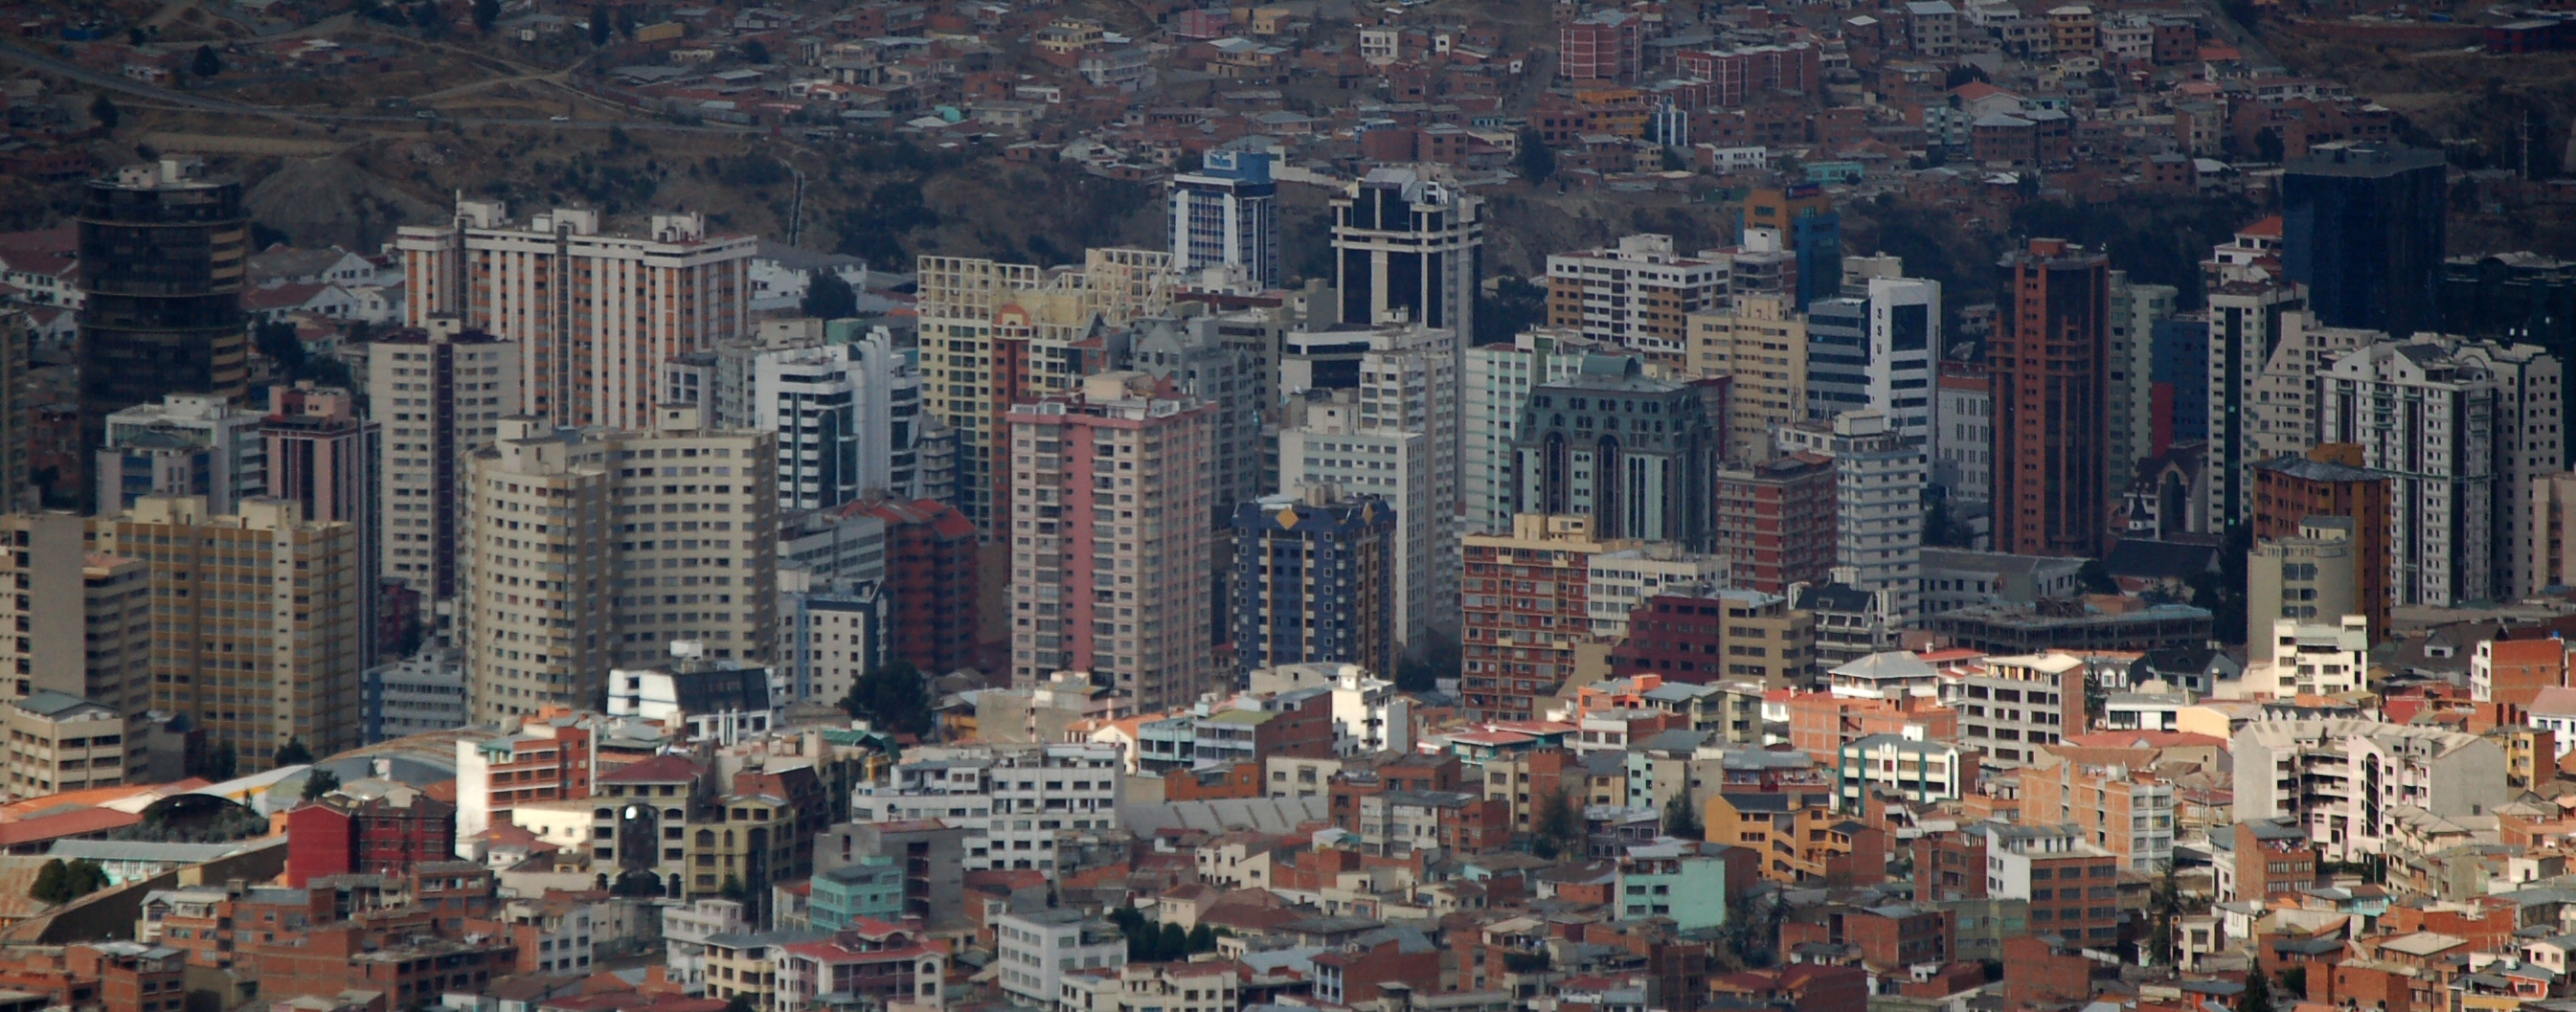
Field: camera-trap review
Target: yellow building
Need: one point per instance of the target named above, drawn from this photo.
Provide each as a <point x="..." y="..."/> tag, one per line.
<point x="1762" y="342"/>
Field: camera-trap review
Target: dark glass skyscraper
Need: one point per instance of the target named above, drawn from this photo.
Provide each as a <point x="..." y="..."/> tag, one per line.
<point x="162" y="252"/>
<point x="2361" y="226"/>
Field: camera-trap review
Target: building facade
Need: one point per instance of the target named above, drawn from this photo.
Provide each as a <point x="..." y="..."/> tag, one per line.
<point x="1312" y="580"/>
<point x="1411" y="246"/>
<point x="2051" y="394"/>
<point x="1227" y="215"/>
<point x="163" y="255"/>
<point x="438" y="392"/>
<point x="1631" y="452"/>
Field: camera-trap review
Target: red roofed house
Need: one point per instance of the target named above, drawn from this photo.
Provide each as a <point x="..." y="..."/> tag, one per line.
<point x="871" y="959"/>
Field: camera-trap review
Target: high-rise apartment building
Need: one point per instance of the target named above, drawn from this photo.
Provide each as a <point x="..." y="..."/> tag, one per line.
<point x="2050" y="366"/>
<point x="2362" y="226"/>
<point x="1620" y="582"/>
<point x="60" y="743"/>
<point x="2465" y="431"/>
<point x="932" y="577"/>
<point x="1524" y="596"/>
<point x="994" y="335"/>
<point x="593" y="315"/>
<point x="439" y="393"/>
<point x="2248" y="293"/>
<point x="1775" y="521"/>
<point x="1876" y="351"/>
<point x="1879" y="477"/>
<point x="1411" y="245"/>
<point x="1762" y="342"/>
<point x="1630" y="452"/>
<point x="1224" y="372"/>
<point x="1110" y="542"/>
<point x="847" y="418"/>
<point x="322" y="457"/>
<point x="1499" y="378"/>
<point x="163" y="251"/>
<point x="584" y="550"/>
<point x="1226" y="215"/>
<point x="1392" y="433"/>
<point x="16" y="428"/>
<point x="2291" y="493"/>
<point x="267" y="646"/>
<point x="1963" y="444"/>
<point x="84" y="617"/>
<point x="2136" y="309"/>
<point x="185" y="445"/>
<point x="1638" y="295"/>
<point x="1313" y="581"/>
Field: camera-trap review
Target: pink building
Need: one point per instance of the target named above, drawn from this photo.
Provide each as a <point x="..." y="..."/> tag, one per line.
<point x="1113" y="538"/>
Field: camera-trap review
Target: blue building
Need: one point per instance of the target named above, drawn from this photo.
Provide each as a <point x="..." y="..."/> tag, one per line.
<point x="1809" y="228"/>
<point x="2362" y="227"/>
<point x="873" y="889"/>
<point x="2178" y="376"/>
<point x="1314" y="580"/>
<point x="1227" y="215"/>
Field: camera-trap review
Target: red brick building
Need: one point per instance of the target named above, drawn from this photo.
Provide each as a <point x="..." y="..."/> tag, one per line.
<point x="2330" y="482"/>
<point x="2052" y="387"/>
<point x="2044" y="970"/>
<point x="383" y="835"/>
<point x="931" y="575"/>
<point x="1775" y="522"/>
<point x="1883" y="940"/>
<point x="1801" y="987"/>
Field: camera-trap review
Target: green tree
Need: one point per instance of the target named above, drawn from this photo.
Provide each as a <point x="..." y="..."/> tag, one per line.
<point x="429" y="19"/>
<point x="293" y="753"/>
<point x="279" y="343"/>
<point x="321" y="782"/>
<point x="2294" y="983"/>
<point x="734" y="890"/>
<point x="740" y="1003"/>
<point x="1681" y="819"/>
<point x="206" y="63"/>
<point x="104" y="112"/>
<point x="2096" y="578"/>
<point x="599" y="25"/>
<point x="2258" y="992"/>
<point x="2267" y="145"/>
<point x="829" y="297"/>
<point x="1536" y="161"/>
<point x="892" y="696"/>
<point x="1202" y="939"/>
<point x="218" y="764"/>
<point x="52" y="882"/>
<point x="2166" y="902"/>
<point x="487" y="15"/>
<point x="1172" y="943"/>
<point x="1558" y="825"/>
<point x="755" y="51"/>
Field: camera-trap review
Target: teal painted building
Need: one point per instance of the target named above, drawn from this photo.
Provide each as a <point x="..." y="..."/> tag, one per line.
<point x="871" y="889"/>
<point x="1679" y="879"/>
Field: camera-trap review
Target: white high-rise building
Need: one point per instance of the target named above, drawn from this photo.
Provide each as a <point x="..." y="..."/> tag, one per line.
<point x="1879" y="478"/>
<point x="1227" y="215"/>
<point x="1904" y="344"/>
<point x="439" y="393"/>
<point x="1638" y="295"/>
<point x="1619" y="582"/>
<point x="585" y="550"/>
<point x="1394" y="436"/>
<point x="2465" y="431"/>
<point x="1499" y="378"/>
<point x="2249" y="293"/>
<point x="593" y="315"/>
<point x="847" y="417"/>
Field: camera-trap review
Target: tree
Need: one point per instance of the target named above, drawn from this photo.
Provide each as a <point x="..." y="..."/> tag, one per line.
<point x="828" y="297"/>
<point x="219" y="764"/>
<point x="755" y="51"/>
<point x="52" y="885"/>
<point x="293" y="753"/>
<point x="599" y="24"/>
<point x="206" y="63"/>
<point x="487" y="15"/>
<point x="135" y="37"/>
<point x="1173" y="943"/>
<point x="733" y="890"/>
<point x="427" y="17"/>
<point x="740" y="1003"/>
<point x="2267" y="145"/>
<point x="104" y="112"/>
<point x="893" y="697"/>
<point x="1536" y="162"/>
<point x="2096" y="578"/>
<point x="1202" y="939"/>
<point x="1558" y="825"/>
<point x="2166" y="901"/>
<point x="1681" y="819"/>
<point x="2258" y="992"/>
<point x="85" y="876"/>
<point x="321" y="782"/>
